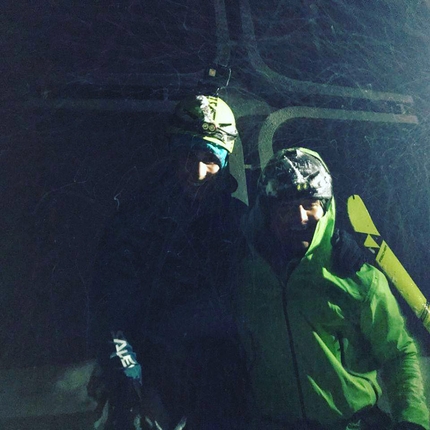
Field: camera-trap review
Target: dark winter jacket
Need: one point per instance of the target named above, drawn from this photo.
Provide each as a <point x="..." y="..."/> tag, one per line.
<point x="165" y="262"/>
<point x="162" y="277"/>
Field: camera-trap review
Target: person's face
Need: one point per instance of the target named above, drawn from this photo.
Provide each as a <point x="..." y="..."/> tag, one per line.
<point x="196" y="171"/>
<point x="293" y="223"/>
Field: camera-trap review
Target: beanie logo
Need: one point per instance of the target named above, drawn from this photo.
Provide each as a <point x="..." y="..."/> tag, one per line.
<point x="210" y="127"/>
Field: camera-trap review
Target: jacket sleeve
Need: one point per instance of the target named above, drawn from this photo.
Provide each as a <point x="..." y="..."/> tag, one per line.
<point x="116" y="285"/>
<point x="396" y="353"/>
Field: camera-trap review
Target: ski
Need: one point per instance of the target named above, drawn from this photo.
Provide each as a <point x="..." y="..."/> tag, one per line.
<point x="362" y="222"/>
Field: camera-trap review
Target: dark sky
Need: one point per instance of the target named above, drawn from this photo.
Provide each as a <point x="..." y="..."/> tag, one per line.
<point x="87" y="92"/>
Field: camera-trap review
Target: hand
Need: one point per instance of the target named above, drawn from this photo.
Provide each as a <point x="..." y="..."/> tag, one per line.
<point x="348" y="257"/>
<point x="404" y="425"/>
<point x="127" y="356"/>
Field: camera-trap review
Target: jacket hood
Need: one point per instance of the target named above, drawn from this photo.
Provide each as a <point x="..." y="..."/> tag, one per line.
<point x="256" y="231"/>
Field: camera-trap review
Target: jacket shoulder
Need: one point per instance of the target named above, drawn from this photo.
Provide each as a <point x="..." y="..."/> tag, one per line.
<point x="362" y="284"/>
<point x="370" y="280"/>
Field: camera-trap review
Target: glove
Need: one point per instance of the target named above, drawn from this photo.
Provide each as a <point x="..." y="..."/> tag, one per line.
<point x="404" y="425"/>
<point x="127" y="356"/>
<point x="348" y="257"/>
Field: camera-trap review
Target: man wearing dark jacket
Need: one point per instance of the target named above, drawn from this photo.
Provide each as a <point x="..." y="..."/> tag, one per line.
<point x="317" y="338"/>
<point x="167" y="345"/>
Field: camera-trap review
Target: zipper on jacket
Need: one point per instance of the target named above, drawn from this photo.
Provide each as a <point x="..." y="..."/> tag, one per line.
<point x="293" y="351"/>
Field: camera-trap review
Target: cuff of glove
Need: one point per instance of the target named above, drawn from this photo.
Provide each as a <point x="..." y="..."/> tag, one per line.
<point x="134" y="372"/>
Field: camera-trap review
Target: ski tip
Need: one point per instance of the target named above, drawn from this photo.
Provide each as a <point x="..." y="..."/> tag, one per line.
<point x="359" y="216"/>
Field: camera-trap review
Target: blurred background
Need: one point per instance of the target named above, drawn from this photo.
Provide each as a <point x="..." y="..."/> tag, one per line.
<point x="87" y="91"/>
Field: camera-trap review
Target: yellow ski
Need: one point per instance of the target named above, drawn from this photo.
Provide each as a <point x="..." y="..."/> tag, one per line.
<point x="362" y="223"/>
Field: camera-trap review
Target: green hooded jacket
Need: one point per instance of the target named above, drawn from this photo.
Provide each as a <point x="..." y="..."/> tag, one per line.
<point x="316" y="342"/>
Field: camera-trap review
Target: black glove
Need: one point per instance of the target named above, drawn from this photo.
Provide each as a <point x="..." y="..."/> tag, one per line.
<point x="404" y="425"/>
<point x="125" y="384"/>
<point x="348" y="257"/>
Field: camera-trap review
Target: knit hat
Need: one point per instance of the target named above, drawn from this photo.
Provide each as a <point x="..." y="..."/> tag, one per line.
<point x="295" y="173"/>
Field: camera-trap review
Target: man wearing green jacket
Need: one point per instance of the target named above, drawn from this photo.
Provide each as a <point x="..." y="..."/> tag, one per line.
<point x="317" y="340"/>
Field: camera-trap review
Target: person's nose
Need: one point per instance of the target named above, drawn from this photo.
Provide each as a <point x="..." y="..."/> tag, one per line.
<point x="202" y="171"/>
<point x="303" y="215"/>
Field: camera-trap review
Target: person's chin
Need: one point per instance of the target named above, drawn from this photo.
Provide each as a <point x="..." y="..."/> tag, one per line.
<point x="196" y="189"/>
<point x="299" y="241"/>
<point x="304" y="236"/>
